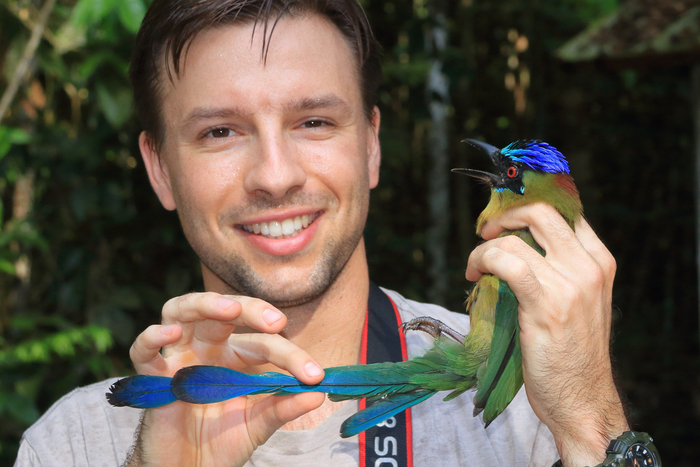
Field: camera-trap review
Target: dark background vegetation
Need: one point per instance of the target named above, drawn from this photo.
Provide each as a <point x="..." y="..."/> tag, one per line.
<point x="88" y="256"/>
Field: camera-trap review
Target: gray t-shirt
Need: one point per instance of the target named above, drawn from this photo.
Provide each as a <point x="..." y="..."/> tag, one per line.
<point x="82" y="429"/>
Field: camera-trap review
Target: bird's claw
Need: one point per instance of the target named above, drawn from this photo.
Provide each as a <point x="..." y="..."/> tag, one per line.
<point x="433" y="327"/>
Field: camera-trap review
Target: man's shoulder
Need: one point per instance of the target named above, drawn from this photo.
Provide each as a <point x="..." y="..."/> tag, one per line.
<point x="82" y="425"/>
<point x="409" y="309"/>
<point x="83" y="400"/>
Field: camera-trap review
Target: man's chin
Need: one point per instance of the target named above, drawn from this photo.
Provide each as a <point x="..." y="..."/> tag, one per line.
<point x="276" y="287"/>
<point x="290" y="301"/>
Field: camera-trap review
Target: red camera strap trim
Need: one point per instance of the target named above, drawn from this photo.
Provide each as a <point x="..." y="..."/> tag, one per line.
<point x="390" y="442"/>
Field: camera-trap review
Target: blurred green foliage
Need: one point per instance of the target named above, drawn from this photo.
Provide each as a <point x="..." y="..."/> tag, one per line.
<point x="88" y="256"/>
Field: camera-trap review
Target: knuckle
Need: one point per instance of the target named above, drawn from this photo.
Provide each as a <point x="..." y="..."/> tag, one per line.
<point x="596" y="277"/>
<point x="521" y="271"/>
<point x="541" y="211"/>
<point x="557" y="318"/>
<point x="609" y="265"/>
<point x="512" y="243"/>
<point x="180" y="301"/>
<point x="493" y="254"/>
<point x="134" y="350"/>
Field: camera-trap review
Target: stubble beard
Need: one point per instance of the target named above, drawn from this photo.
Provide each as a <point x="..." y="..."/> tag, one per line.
<point x="242" y="279"/>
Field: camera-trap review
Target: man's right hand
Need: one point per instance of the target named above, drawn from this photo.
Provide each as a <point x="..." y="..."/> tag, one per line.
<point x="197" y="329"/>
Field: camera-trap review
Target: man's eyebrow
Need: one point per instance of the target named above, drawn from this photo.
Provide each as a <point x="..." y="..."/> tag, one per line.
<point x="329" y="101"/>
<point x="206" y="113"/>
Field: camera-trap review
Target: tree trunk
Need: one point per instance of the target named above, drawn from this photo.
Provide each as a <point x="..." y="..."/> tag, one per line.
<point x="437" y="90"/>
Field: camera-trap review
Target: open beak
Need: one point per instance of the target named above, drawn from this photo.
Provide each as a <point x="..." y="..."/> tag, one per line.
<point x="486" y="177"/>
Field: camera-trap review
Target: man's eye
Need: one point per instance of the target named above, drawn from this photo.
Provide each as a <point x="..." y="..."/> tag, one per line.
<point x="315" y="124"/>
<point x="220" y="133"/>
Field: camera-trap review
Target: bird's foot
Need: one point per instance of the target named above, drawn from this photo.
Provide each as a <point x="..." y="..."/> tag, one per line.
<point x="433" y="327"/>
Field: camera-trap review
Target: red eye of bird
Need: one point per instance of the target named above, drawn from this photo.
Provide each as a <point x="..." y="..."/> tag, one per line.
<point x="512" y="172"/>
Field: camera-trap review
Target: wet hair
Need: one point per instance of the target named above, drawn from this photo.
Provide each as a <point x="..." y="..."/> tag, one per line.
<point x="169" y="28"/>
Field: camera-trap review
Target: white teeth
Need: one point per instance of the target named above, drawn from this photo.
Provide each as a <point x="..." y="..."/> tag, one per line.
<point x="275" y="229"/>
<point x="286" y="229"/>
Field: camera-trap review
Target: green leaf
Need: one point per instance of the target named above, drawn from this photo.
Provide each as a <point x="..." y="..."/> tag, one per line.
<point x="10" y="136"/>
<point x="115" y="102"/>
<point x="71" y="36"/>
<point x="7" y="267"/>
<point x="90" y="12"/>
<point x="63" y="344"/>
<point x="101" y="337"/>
<point x="131" y="13"/>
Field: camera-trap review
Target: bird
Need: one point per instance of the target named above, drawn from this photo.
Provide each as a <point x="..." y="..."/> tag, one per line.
<point x="488" y="358"/>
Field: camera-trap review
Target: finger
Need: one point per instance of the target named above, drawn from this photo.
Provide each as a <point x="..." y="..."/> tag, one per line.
<point x="259" y="315"/>
<point x="259" y="349"/>
<point x="145" y="351"/>
<point x="511" y="268"/>
<point x="200" y="306"/>
<point x="236" y="309"/>
<point x="549" y="229"/>
<point x="516" y="218"/>
<point x="476" y="265"/>
<point x="255" y="314"/>
<point x="267" y="415"/>
<point x="595" y="247"/>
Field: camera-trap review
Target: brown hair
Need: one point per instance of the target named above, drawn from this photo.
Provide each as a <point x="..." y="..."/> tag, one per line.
<point x="169" y="27"/>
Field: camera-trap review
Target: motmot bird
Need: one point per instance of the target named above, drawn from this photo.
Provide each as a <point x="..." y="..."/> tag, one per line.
<point x="488" y="358"/>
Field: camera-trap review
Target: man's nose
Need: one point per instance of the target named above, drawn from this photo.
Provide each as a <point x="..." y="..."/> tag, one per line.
<point x="275" y="166"/>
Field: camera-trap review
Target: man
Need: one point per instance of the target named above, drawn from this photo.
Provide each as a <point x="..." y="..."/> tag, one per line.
<point x="261" y="131"/>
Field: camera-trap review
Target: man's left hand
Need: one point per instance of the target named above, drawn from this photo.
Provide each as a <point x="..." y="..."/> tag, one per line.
<point x="565" y="317"/>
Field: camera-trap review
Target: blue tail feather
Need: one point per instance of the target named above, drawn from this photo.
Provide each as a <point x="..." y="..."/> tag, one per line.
<point x="356" y="381"/>
<point x="381" y="410"/>
<point x="202" y="384"/>
<point x="141" y="391"/>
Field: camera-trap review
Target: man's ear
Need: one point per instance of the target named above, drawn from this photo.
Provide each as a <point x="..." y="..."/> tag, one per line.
<point x="157" y="172"/>
<point x="373" y="148"/>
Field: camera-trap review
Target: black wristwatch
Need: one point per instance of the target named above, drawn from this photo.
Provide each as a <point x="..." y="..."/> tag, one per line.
<point x="632" y="449"/>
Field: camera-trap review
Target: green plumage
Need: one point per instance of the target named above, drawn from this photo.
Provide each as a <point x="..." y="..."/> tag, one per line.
<point x="490" y="357"/>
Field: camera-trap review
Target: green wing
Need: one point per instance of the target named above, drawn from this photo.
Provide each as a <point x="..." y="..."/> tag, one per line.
<point x="503" y="375"/>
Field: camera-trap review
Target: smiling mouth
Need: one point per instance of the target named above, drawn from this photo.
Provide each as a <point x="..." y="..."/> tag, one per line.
<point x="287" y="228"/>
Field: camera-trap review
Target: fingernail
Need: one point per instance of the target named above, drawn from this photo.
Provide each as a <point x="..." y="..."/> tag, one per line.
<point x="224" y="303"/>
<point x="271" y="316"/>
<point x="168" y="329"/>
<point x="312" y="369"/>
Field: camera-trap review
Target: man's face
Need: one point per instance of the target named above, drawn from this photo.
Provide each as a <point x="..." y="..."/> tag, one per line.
<point x="264" y="147"/>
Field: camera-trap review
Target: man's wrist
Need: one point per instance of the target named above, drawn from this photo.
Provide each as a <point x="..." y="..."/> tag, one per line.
<point x="586" y="446"/>
<point x="585" y="435"/>
<point x="630" y="448"/>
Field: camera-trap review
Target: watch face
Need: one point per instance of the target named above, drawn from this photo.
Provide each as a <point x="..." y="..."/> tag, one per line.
<point x="639" y="456"/>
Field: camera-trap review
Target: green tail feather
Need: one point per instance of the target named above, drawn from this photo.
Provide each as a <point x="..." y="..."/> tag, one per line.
<point x="436" y="370"/>
<point x="508" y="386"/>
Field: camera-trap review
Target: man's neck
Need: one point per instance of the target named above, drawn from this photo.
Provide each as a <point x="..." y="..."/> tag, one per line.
<point x="329" y="327"/>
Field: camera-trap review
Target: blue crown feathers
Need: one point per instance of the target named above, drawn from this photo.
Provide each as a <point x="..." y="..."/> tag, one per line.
<point x="537" y="155"/>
